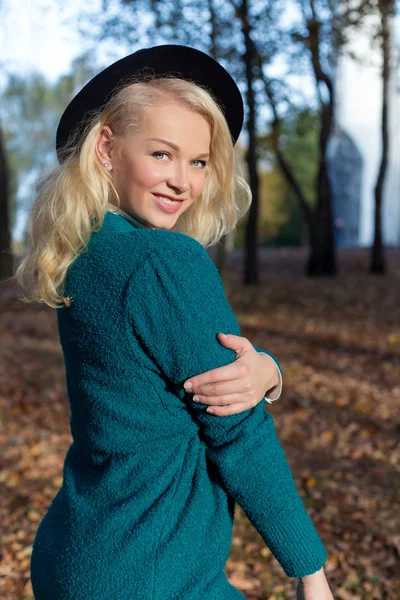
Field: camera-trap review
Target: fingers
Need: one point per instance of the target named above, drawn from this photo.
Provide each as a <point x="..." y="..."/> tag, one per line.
<point x="234" y="389"/>
<point x="225" y="373"/>
<point x="232" y="409"/>
<point x="221" y="400"/>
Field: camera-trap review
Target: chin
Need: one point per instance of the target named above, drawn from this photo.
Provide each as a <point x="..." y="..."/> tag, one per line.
<point x="166" y="223"/>
<point x="169" y="226"/>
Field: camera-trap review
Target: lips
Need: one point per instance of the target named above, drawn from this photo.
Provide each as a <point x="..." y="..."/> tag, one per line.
<point x="169" y="197"/>
<point x="164" y="206"/>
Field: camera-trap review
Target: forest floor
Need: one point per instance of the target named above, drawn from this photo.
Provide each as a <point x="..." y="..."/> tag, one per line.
<point x="338" y="419"/>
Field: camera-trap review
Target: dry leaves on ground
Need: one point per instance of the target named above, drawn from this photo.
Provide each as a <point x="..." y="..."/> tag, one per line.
<point x="338" y="341"/>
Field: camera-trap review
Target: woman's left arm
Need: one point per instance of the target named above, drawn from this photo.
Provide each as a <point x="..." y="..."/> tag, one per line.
<point x="241" y="385"/>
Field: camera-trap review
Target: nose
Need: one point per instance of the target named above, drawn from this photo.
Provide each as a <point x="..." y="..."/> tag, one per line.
<point x="179" y="179"/>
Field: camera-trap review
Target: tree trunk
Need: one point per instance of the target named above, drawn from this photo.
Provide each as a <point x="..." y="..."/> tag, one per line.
<point x="315" y="260"/>
<point x="314" y="263"/>
<point x="251" y="256"/>
<point x="220" y="259"/>
<point x="6" y="258"/>
<point x="323" y="263"/>
<point x="377" y="253"/>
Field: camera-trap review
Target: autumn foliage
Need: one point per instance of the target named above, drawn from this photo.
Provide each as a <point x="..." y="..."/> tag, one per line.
<point x="338" y="341"/>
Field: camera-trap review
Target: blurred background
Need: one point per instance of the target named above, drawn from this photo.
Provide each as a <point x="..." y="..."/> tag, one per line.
<point x="312" y="272"/>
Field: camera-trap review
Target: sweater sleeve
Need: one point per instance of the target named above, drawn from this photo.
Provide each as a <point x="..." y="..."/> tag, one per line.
<point x="176" y="305"/>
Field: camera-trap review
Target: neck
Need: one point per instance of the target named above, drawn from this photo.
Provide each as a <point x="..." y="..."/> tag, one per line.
<point x="129" y="217"/>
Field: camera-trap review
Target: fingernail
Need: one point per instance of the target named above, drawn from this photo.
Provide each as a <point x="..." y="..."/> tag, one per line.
<point x="210" y="410"/>
<point x="196" y="399"/>
<point x="187" y="386"/>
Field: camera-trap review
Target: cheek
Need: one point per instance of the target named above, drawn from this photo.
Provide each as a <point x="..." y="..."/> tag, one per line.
<point x="137" y="170"/>
<point x="198" y="184"/>
<point x="146" y="174"/>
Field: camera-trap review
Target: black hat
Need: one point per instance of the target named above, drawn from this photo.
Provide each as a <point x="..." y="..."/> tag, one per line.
<point x="168" y="60"/>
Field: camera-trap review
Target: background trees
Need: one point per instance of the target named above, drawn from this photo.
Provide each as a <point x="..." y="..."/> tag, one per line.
<point x="384" y="35"/>
<point x="284" y="57"/>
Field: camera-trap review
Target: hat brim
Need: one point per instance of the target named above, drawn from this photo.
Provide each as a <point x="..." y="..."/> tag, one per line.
<point x="169" y="60"/>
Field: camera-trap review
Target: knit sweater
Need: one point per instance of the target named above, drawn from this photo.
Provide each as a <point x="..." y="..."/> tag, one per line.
<point x="273" y="394"/>
<point x="150" y="481"/>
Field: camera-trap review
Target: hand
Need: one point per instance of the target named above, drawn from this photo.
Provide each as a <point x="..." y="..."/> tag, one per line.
<point x="314" y="587"/>
<point x="238" y="386"/>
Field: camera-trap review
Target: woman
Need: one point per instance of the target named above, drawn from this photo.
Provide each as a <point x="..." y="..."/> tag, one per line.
<point x="118" y="236"/>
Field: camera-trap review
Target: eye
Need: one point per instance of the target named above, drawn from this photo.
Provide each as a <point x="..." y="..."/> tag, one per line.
<point x="160" y="152"/>
<point x="203" y="163"/>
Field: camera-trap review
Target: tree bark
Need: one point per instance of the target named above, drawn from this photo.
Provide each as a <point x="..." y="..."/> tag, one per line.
<point x="6" y="258"/>
<point x="377" y="254"/>
<point x="324" y="263"/>
<point x="220" y="259"/>
<point x="251" y="256"/>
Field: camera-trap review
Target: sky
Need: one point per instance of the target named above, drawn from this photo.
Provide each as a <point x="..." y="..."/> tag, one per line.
<point x="35" y="35"/>
<point x="38" y="35"/>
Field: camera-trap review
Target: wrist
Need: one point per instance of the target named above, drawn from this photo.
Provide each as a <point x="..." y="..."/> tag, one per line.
<point x="318" y="576"/>
<point x="274" y="381"/>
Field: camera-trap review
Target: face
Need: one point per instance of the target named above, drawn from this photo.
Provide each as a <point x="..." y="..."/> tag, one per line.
<point x="160" y="171"/>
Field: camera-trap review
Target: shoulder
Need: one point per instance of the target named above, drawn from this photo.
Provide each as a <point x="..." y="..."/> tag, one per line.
<point x="172" y="249"/>
<point x="175" y="260"/>
<point x="119" y="237"/>
<point x="162" y="240"/>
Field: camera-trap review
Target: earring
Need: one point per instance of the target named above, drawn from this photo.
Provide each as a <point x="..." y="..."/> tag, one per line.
<point x="105" y="164"/>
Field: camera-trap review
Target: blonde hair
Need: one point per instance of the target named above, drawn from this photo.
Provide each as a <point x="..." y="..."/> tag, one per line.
<point x="73" y="199"/>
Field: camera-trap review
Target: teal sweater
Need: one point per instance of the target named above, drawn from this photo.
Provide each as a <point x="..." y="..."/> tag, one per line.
<point x="150" y="482"/>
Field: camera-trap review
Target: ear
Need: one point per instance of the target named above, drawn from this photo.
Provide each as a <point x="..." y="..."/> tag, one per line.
<point x="104" y="144"/>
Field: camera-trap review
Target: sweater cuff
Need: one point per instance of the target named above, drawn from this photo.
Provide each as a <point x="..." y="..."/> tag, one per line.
<point x="296" y="545"/>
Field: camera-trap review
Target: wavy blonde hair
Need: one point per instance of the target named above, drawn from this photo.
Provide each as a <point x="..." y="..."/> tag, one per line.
<point x="73" y="199"/>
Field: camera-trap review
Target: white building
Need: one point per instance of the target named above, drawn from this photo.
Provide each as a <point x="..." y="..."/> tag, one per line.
<point x="356" y="145"/>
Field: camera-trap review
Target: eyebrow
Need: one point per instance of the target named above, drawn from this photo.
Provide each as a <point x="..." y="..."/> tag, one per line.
<point x="174" y="146"/>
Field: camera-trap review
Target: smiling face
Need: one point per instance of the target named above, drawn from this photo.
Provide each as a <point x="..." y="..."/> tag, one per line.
<point x="167" y="157"/>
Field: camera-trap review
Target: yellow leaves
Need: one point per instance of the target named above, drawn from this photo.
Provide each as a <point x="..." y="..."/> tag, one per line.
<point x="342" y="400"/>
<point x="4" y="474"/>
<point x="243" y="583"/>
<point x="10" y="478"/>
<point x="326" y="438"/>
<point x="301" y="414"/>
<point x="58" y="481"/>
<point x="384" y="412"/>
<point x="279" y="589"/>
<point x="33" y="516"/>
<point x="393" y="338"/>
<point x="28" y="591"/>
<point x="14" y="480"/>
<point x="25" y="552"/>
<point x="252" y="547"/>
<point x="343" y="594"/>
<point x="35" y="449"/>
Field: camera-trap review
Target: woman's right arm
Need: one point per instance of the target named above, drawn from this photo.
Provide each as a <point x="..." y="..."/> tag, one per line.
<point x="177" y="306"/>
